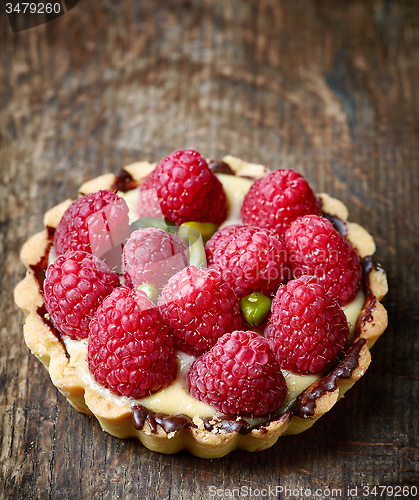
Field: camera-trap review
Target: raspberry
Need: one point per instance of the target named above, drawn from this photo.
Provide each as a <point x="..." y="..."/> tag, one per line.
<point x="130" y="350"/>
<point x="199" y="307"/>
<point x="95" y="223"/>
<point x="278" y="199"/>
<point x="152" y="255"/>
<point x="315" y="248"/>
<point x="239" y="375"/>
<point x="248" y="258"/>
<point x="74" y="287"/>
<point x="220" y="239"/>
<point x="307" y="328"/>
<point x="187" y="190"/>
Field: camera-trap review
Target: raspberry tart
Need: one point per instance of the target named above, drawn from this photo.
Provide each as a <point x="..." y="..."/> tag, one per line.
<point x="202" y="305"/>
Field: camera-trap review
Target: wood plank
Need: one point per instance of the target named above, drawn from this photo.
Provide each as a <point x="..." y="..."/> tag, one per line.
<point x="328" y="88"/>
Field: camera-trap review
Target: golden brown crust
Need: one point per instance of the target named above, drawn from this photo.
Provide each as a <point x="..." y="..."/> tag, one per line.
<point x="319" y="399"/>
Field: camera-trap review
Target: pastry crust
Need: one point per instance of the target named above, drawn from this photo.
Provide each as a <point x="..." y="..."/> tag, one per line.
<point x="201" y="439"/>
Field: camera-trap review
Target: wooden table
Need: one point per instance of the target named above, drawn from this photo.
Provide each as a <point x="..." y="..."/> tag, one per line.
<point x="328" y="88"/>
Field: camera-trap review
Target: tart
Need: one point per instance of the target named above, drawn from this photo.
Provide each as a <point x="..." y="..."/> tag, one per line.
<point x="170" y="419"/>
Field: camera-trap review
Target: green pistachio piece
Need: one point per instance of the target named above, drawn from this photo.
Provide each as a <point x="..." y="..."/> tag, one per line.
<point x="255" y="308"/>
<point x="150" y="290"/>
<point x="207" y="229"/>
<point x="193" y="238"/>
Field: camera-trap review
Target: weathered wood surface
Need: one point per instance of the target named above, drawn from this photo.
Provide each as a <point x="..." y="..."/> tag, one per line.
<point x="329" y="88"/>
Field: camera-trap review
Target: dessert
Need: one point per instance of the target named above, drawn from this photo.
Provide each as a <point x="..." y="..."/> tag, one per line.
<point x="184" y="356"/>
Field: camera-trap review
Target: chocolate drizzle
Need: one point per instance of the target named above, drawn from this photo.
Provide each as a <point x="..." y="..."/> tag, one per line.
<point x="169" y="423"/>
<point x="220" y="167"/>
<point x="368" y="264"/>
<point x="367" y="312"/>
<point x="40" y="267"/>
<point x="337" y="223"/>
<point x="227" y="424"/>
<point x="123" y="182"/>
<point x="305" y="404"/>
<point x="174" y="423"/>
<point x="38" y="271"/>
<point x="43" y="313"/>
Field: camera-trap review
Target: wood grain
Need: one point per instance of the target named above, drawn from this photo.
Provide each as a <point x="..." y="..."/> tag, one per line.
<point x="328" y="88"/>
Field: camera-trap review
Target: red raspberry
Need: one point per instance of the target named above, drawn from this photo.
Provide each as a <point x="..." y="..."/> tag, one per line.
<point x="239" y="375"/>
<point x="199" y="307"/>
<point x="95" y="223"/>
<point x="307" y="328"/>
<point x="187" y="190"/>
<point x="130" y="350"/>
<point x="278" y="199"/>
<point x="74" y="287"/>
<point x="315" y="248"/>
<point x="220" y="239"/>
<point x="248" y="258"/>
<point x="152" y="256"/>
